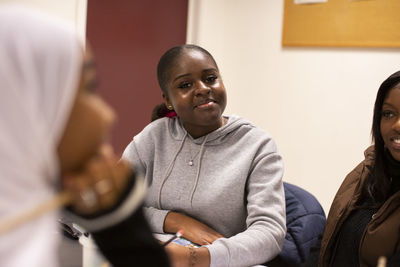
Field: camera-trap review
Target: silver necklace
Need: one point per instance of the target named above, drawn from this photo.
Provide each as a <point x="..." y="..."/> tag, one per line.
<point x="190" y="162"/>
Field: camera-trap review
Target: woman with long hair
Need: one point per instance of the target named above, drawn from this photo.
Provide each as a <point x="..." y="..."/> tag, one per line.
<point x="364" y="219"/>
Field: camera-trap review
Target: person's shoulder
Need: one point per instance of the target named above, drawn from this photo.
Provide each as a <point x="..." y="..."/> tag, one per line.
<point x="253" y="135"/>
<point x="149" y="133"/>
<point x="251" y="129"/>
<point x="161" y="130"/>
<point x="363" y="168"/>
<point x="155" y="127"/>
<point x="359" y="173"/>
<point x="369" y="154"/>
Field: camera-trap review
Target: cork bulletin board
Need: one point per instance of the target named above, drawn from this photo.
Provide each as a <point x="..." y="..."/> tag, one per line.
<point x="342" y="23"/>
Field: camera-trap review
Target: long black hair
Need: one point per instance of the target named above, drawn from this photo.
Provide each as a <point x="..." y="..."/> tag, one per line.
<point x="169" y="58"/>
<point x="377" y="184"/>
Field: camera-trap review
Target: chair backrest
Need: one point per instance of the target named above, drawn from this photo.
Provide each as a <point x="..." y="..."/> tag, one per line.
<point x="305" y="222"/>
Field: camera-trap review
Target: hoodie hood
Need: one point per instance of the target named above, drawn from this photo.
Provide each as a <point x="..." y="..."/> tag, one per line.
<point x="216" y="137"/>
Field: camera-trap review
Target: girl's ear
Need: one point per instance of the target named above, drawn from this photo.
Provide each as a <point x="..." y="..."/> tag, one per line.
<point x="167" y="102"/>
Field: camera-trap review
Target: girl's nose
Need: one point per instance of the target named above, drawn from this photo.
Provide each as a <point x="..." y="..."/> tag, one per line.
<point x="396" y="125"/>
<point x="202" y="89"/>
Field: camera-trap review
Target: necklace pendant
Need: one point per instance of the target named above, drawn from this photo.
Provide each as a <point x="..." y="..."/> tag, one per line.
<point x="191" y="162"/>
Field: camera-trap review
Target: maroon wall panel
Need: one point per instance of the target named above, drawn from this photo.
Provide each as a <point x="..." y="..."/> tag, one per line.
<point x="128" y="37"/>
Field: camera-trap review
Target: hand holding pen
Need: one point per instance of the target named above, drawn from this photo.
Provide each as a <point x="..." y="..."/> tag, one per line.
<point x="177" y="235"/>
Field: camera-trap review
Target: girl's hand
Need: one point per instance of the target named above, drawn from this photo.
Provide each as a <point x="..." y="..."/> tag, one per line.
<point x="193" y="230"/>
<point x="99" y="184"/>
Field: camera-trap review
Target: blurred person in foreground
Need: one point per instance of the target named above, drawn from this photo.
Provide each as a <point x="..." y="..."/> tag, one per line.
<point x="53" y="136"/>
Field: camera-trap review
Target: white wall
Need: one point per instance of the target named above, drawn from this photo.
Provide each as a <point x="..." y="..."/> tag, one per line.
<point x="73" y="11"/>
<point x="316" y="102"/>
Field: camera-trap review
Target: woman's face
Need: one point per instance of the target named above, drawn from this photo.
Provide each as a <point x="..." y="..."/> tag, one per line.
<point x="196" y="92"/>
<point x="390" y="122"/>
<point x="89" y="123"/>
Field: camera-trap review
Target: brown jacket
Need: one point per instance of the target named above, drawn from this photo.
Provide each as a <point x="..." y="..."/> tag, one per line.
<point x="382" y="234"/>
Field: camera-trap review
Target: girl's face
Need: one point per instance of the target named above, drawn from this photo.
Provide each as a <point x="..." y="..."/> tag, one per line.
<point x="89" y="123"/>
<point x="390" y="122"/>
<point x="196" y="92"/>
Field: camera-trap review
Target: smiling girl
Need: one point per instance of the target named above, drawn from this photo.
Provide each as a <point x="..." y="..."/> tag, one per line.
<point x="216" y="177"/>
<point x="364" y="220"/>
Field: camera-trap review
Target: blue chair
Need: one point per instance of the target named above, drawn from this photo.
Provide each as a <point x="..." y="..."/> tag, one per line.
<point x="305" y="222"/>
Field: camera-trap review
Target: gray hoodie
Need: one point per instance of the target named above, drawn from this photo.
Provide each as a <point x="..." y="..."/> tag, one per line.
<point x="230" y="179"/>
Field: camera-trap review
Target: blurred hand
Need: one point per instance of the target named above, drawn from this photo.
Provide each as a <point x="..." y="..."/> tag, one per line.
<point x="99" y="184"/>
<point x="193" y="230"/>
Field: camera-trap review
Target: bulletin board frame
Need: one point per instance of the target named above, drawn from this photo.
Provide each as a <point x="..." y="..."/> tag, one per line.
<point x="342" y="23"/>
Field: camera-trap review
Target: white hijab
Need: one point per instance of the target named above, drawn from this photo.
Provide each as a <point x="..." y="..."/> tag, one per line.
<point x="40" y="64"/>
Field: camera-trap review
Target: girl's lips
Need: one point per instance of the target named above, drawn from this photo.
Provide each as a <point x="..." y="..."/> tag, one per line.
<point x="395" y="143"/>
<point x="206" y="104"/>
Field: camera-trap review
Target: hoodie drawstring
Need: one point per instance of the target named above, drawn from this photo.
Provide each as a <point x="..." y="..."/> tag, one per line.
<point x="171" y="164"/>
<point x="169" y="169"/>
<point x="198" y="169"/>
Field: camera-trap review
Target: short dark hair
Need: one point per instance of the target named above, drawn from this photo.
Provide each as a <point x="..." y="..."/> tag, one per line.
<point x="377" y="184"/>
<point x="170" y="57"/>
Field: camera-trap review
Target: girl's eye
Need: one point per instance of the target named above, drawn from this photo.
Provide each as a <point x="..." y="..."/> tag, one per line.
<point x="387" y="114"/>
<point x="184" y="85"/>
<point x="211" y="79"/>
